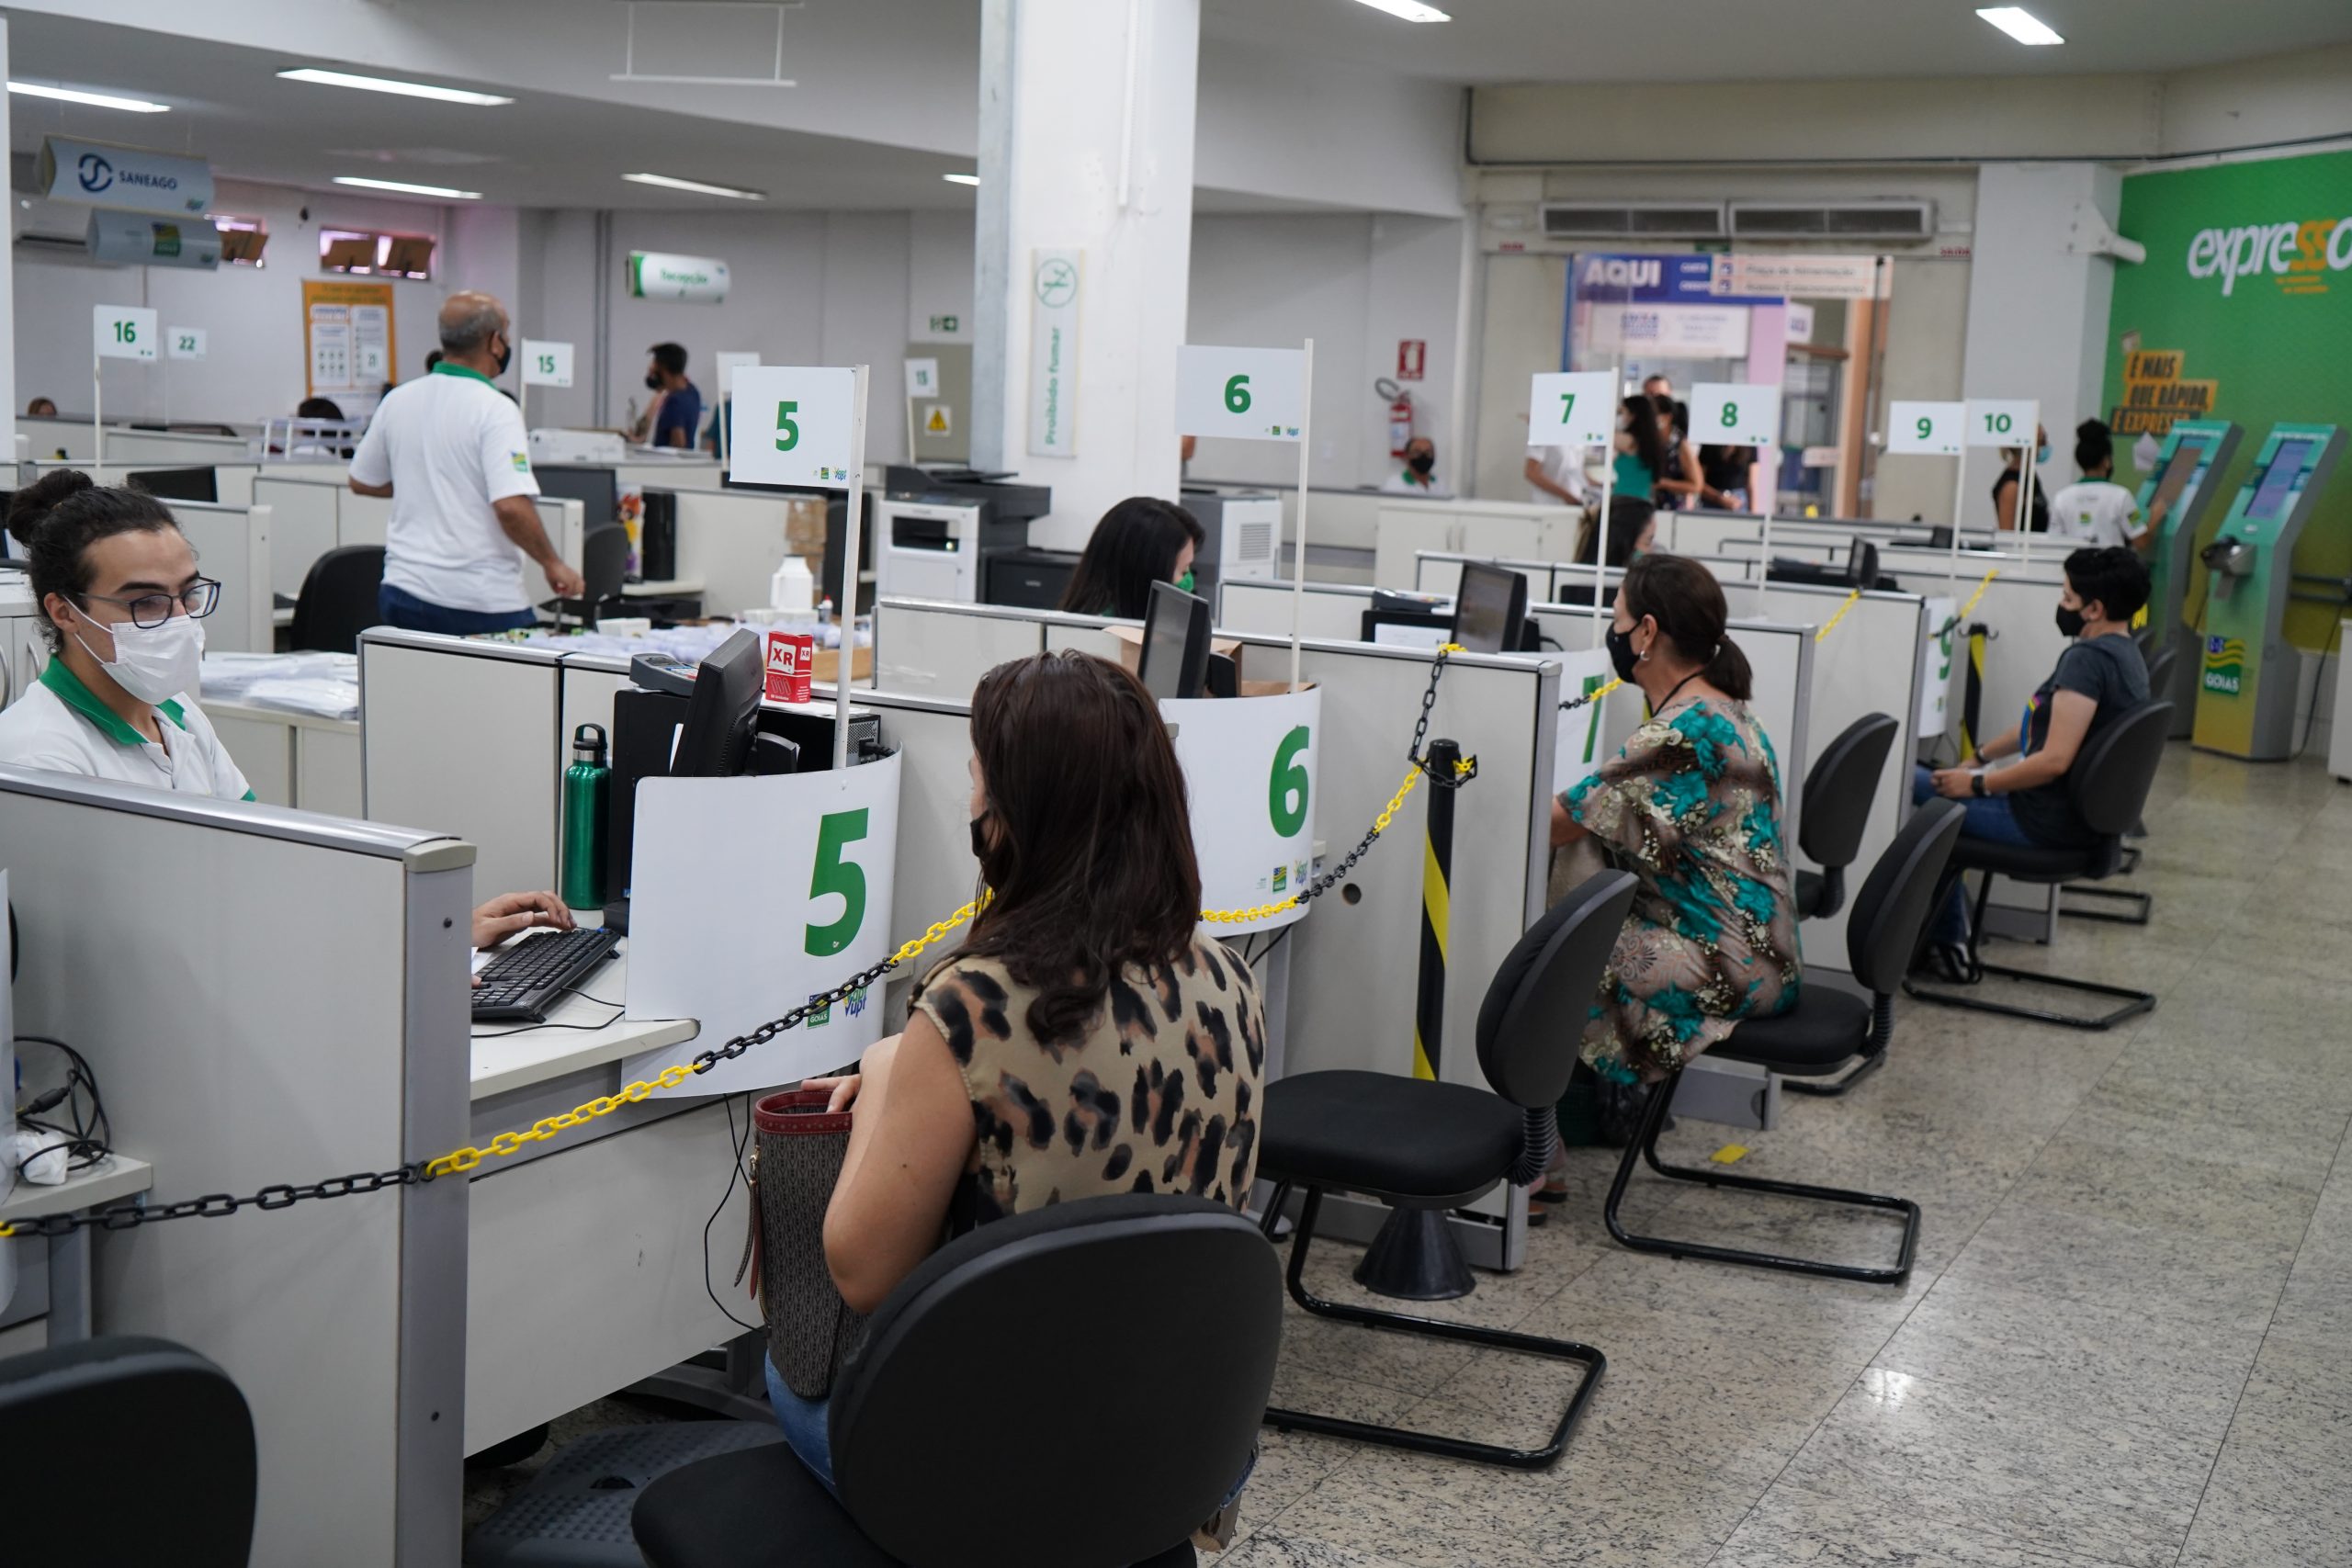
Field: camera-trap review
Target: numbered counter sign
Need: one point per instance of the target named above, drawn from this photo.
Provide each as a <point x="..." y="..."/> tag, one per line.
<point x="1249" y="772"/>
<point x="184" y="342"/>
<point x="1252" y="394"/>
<point x="124" y="332"/>
<point x="1735" y="413"/>
<point x="923" y="377"/>
<point x="1572" y="408"/>
<point x="792" y="425"/>
<point x="2003" y="421"/>
<point x="1926" y="430"/>
<point x="546" y="364"/>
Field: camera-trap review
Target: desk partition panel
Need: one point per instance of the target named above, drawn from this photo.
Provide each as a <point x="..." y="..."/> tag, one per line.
<point x="1329" y="611"/>
<point x="311" y="1024"/>
<point x="732" y="541"/>
<point x="233" y="544"/>
<point x="305" y="523"/>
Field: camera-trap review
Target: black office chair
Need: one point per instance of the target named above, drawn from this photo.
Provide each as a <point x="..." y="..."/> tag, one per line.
<point x="1101" y="1363"/>
<point x="338" y="599"/>
<point x="1838" y="792"/>
<point x="1825" y="1031"/>
<point x="125" y="1450"/>
<point x="1426" y="1148"/>
<point x="2161" y="666"/>
<point x="2108" y="785"/>
<point x="604" y="568"/>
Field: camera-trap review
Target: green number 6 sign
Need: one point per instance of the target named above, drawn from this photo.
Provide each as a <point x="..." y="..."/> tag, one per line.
<point x="1286" y="788"/>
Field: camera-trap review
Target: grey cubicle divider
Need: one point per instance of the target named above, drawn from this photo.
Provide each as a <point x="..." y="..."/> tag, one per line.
<point x="1480" y="529"/>
<point x="311" y="1024"/>
<point x="233" y="544"/>
<point x="461" y="737"/>
<point x="733" y="541"/>
<point x="305" y="515"/>
<point x="936" y="648"/>
<point x="1329" y="610"/>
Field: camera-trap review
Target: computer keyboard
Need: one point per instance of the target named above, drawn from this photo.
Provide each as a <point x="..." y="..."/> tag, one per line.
<point x="522" y="982"/>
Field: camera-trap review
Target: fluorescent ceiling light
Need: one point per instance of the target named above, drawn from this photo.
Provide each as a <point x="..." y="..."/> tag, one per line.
<point x="671" y="182"/>
<point x="961" y="179"/>
<point x="407" y="189"/>
<point x="386" y="84"/>
<point x="2017" y="22"/>
<point x="1411" y="10"/>
<point x="94" y="100"/>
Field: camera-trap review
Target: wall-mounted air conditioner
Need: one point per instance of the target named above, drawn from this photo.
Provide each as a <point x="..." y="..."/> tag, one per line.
<point x="1890" y="222"/>
<point x="1634" y="220"/>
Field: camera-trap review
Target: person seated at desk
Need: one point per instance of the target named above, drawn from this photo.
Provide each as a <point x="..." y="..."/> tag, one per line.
<point x="1691" y="804"/>
<point x="123" y="605"/>
<point x="1141" y="541"/>
<point x="1633" y="532"/>
<point x="1084" y="1042"/>
<point x="2098" y="680"/>
<point x="1416" y="478"/>
<point x="40" y="408"/>
<point x="2095" y="510"/>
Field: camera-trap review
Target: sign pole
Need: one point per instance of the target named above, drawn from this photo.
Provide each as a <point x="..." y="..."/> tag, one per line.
<point x="845" y="612"/>
<point x="97" y="422"/>
<point x="911" y="429"/>
<point x="1608" y="483"/>
<point x="1298" y="542"/>
<point x="2026" y="455"/>
<point x="1958" y="502"/>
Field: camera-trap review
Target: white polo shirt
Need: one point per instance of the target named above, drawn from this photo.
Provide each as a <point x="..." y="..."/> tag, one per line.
<point x="60" y="725"/>
<point x="1564" y="466"/>
<point x="449" y="444"/>
<point x="2096" y="513"/>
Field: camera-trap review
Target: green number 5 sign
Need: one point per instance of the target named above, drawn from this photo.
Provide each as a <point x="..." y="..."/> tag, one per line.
<point x="835" y="874"/>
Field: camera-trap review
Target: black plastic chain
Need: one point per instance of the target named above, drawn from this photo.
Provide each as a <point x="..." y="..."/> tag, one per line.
<point x="284" y="1196"/>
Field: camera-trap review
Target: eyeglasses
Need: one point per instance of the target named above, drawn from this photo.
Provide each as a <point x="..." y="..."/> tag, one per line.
<point x="196" y="601"/>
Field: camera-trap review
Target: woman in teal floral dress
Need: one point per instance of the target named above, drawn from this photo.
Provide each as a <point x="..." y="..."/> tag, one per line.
<point x="1691" y="805"/>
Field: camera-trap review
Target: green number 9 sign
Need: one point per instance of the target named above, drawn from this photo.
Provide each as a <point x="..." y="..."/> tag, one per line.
<point x="1286" y="788"/>
<point x="1926" y="428"/>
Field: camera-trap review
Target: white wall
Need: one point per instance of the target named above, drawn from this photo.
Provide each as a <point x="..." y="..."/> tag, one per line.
<point x="252" y="316"/>
<point x="1356" y="283"/>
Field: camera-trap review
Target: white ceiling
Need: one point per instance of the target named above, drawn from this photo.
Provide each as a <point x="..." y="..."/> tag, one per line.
<point x="1732" y="40"/>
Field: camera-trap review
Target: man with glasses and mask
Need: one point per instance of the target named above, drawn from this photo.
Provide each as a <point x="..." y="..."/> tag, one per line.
<point x="451" y="453"/>
<point x="118" y="586"/>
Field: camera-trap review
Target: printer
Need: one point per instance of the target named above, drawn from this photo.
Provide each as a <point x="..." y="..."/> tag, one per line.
<point x="934" y="531"/>
<point x="1242" y="537"/>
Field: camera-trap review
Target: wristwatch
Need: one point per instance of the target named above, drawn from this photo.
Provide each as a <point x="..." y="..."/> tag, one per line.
<point x="1976" y="787"/>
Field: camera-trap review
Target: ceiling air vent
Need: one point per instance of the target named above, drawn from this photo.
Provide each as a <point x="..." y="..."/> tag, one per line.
<point x="1892" y="221"/>
<point x="1634" y="220"/>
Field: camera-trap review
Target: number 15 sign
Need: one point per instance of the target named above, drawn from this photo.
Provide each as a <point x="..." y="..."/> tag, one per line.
<point x="794" y="425"/>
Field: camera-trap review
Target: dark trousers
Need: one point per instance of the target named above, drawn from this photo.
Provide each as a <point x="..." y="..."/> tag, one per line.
<point x="405" y="610"/>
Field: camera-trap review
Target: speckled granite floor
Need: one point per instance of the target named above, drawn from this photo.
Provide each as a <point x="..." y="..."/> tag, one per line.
<point x="2127" y="1343"/>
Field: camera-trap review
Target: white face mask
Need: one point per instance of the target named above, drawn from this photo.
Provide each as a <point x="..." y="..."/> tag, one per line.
<point x="153" y="664"/>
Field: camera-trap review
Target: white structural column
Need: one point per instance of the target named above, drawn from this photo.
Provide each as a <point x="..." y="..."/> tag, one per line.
<point x="1086" y="216"/>
<point x="7" y="298"/>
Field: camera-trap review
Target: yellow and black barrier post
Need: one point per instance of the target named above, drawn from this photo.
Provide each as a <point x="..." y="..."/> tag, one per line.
<point x="1437" y="911"/>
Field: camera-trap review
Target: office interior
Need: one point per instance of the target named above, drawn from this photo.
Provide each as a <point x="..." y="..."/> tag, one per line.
<point x="353" y="1261"/>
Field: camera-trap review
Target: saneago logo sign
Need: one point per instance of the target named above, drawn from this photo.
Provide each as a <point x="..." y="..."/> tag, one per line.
<point x="2224" y="665"/>
<point x="2300" y="256"/>
<point x="95" y="174"/>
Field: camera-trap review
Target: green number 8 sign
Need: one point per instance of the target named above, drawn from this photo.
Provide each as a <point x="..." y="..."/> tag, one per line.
<point x="1731" y="415"/>
<point x="1286" y="788"/>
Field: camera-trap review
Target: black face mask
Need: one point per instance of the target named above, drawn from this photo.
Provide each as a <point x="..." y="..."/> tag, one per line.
<point x="504" y="355"/>
<point x="1422" y="463"/>
<point x="653" y="382"/>
<point x="2070" y="622"/>
<point x="980" y="838"/>
<point x="1621" y="654"/>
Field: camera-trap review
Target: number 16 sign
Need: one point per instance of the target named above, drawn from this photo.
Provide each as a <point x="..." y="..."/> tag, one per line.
<point x="792" y="425"/>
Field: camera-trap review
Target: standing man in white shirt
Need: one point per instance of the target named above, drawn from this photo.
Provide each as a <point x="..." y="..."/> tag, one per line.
<point x="450" y="451"/>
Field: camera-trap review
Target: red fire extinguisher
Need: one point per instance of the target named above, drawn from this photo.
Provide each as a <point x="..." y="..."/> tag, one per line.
<point x="1400" y="416"/>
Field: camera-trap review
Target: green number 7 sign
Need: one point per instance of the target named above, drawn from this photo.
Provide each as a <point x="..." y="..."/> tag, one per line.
<point x="1571" y="409"/>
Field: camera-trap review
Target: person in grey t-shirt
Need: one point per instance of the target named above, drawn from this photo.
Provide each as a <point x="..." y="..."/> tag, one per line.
<point x="2099" y="678"/>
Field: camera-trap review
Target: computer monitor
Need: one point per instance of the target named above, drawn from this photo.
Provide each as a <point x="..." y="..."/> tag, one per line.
<point x="1488" y="607"/>
<point x="177" y="484"/>
<point x="2279" y="480"/>
<point x="597" y="489"/>
<point x="1175" y="642"/>
<point x="715" y="741"/>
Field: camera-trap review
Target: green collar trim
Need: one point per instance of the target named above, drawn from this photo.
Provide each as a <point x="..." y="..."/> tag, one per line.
<point x="82" y="700"/>
<point x="445" y="368"/>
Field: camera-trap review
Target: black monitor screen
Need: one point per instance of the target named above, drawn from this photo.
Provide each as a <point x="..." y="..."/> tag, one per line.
<point x="596" y="489"/>
<point x="717" y="740"/>
<point x="1175" y="642"/>
<point x="2279" y="480"/>
<point x="1488" y="607"/>
<point x="177" y="484"/>
<point x="2186" y="458"/>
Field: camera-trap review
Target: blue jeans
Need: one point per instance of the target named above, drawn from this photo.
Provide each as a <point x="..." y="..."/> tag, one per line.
<point x="1987" y="818"/>
<point x="401" y="608"/>
<point x="808" y="1432"/>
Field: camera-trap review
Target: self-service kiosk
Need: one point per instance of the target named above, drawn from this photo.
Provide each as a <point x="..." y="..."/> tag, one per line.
<point x="2246" y="676"/>
<point x="2179" y="494"/>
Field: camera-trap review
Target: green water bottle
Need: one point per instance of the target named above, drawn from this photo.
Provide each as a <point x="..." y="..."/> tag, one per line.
<point x="584" y="787"/>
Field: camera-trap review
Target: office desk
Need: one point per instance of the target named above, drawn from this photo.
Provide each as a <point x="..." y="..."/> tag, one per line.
<point x="664" y="588"/>
<point x="585" y="1262"/>
<point x="293" y="758"/>
<point x="69" y="1256"/>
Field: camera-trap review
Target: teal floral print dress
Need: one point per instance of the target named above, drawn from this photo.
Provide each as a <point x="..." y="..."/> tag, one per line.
<point x="1691" y="805"/>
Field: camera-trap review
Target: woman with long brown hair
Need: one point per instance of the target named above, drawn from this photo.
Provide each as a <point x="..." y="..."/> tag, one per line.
<point x="1085" y="1041"/>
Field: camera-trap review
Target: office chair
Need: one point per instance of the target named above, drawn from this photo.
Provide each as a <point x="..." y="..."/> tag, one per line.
<point x="2161" y="666"/>
<point x="1101" y="1364"/>
<point x="1838" y="794"/>
<point x="1425" y="1148"/>
<point x="1826" y="1030"/>
<point x="2108" y="785"/>
<point x="125" y="1450"/>
<point x="604" y="568"/>
<point x="338" y="599"/>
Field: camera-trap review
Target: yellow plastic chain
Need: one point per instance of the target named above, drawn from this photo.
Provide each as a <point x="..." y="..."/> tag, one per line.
<point x="1831" y="623"/>
<point x="1379" y="825"/>
<point x="1987" y="582"/>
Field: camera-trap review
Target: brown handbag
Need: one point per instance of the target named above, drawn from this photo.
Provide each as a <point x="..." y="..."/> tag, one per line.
<point x="797" y="1162"/>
